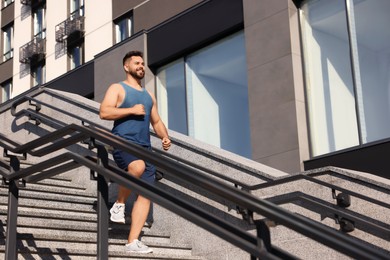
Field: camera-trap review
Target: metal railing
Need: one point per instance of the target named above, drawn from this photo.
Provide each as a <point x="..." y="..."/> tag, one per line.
<point x="73" y="25"/>
<point x="33" y="51"/>
<point x="258" y="246"/>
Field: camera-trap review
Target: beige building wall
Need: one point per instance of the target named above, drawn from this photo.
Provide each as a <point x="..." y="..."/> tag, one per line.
<point x="22" y="35"/>
<point x="56" y="65"/>
<point x="98" y="27"/>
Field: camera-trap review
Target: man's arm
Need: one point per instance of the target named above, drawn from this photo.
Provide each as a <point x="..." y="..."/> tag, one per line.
<point x="159" y="126"/>
<point x="110" y="111"/>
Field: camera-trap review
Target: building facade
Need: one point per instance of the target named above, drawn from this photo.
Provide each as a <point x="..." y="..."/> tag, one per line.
<point x="290" y="84"/>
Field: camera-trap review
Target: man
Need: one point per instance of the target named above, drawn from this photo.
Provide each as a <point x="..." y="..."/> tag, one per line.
<point x="133" y="109"/>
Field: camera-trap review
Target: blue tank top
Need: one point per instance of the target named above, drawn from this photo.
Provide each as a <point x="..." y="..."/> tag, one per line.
<point x="135" y="128"/>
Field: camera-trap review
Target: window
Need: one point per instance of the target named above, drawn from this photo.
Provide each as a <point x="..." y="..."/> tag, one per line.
<point x="347" y="63"/>
<point x="205" y="95"/>
<point x="8" y="48"/>
<point x="38" y="73"/>
<point x="123" y="28"/>
<point x="6" y="90"/>
<point x="76" y="55"/>
<point x="76" y="8"/>
<point x="7" y="2"/>
<point x="39" y="22"/>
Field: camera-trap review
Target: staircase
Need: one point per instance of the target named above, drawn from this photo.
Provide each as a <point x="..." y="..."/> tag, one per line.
<point x="348" y="212"/>
<point x="57" y="220"/>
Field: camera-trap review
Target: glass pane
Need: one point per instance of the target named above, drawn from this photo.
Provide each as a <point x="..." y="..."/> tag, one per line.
<point x="329" y="84"/>
<point x="8" y="43"/>
<point x="171" y="87"/>
<point x="39" y="75"/>
<point x="373" y="47"/>
<point x="39" y="23"/>
<point x="123" y="30"/>
<point x="6" y="92"/>
<point x="75" y="57"/>
<point x="217" y="95"/>
<point x="77" y="7"/>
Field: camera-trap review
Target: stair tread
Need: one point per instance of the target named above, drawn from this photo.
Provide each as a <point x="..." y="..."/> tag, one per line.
<point x="85" y="253"/>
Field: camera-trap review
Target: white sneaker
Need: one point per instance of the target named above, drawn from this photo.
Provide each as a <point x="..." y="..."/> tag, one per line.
<point x="138" y="247"/>
<point x="118" y="213"/>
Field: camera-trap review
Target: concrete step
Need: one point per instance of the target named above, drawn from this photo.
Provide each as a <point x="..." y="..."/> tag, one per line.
<point x="77" y="254"/>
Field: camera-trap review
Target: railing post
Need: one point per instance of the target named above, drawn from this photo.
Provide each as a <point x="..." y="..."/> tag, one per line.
<point x="102" y="207"/>
<point x="13" y="196"/>
<point x="263" y="239"/>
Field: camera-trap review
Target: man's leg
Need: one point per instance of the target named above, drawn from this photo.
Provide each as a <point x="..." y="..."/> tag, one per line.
<point x="138" y="217"/>
<point x="136" y="168"/>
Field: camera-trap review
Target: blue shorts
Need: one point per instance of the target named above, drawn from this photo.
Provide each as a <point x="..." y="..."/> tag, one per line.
<point x="123" y="159"/>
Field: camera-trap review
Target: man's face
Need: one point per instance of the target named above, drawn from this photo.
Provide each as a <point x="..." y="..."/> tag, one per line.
<point x="135" y="66"/>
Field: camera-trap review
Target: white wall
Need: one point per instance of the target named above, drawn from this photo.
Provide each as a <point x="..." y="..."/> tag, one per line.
<point x="56" y="13"/>
<point x="98" y="27"/>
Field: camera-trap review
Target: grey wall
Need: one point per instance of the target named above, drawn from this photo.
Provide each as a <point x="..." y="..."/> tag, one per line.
<point x="6" y="70"/>
<point x="108" y="65"/>
<point x="275" y="88"/>
<point x="7" y="14"/>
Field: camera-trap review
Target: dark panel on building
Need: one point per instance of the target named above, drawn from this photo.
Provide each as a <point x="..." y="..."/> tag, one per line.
<point x="121" y="7"/>
<point x="7" y="15"/>
<point x="371" y="158"/>
<point x="153" y="13"/>
<point x="194" y="29"/>
<point x="6" y="70"/>
<point x="108" y="64"/>
<point x="78" y="81"/>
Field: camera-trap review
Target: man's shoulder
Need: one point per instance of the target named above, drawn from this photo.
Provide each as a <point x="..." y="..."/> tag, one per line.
<point x="115" y="87"/>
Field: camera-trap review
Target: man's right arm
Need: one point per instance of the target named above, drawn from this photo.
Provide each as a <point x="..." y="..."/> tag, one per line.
<point x="110" y="111"/>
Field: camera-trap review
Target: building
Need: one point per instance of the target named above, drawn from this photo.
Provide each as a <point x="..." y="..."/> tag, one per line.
<point x="291" y="84"/>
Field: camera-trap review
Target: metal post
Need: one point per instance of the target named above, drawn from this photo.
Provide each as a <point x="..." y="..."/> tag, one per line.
<point x="102" y="207"/>
<point x="263" y="239"/>
<point x="13" y="196"/>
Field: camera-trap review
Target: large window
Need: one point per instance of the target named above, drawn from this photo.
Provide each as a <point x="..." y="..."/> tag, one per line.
<point x="347" y="64"/>
<point x="205" y="95"/>
<point x="39" y="22"/>
<point x="8" y="48"/>
<point x="6" y="89"/>
<point x="123" y="28"/>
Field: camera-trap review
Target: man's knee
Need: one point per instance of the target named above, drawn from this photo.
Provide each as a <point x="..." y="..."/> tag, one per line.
<point x="136" y="168"/>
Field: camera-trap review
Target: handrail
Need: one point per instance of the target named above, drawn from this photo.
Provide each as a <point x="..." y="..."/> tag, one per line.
<point x="309" y="228"/>
<point x="194" y="176"/>
<point x="91" y="109"/>
<point x="33" y="115"/>
<point x="322" y="183"/>
<point x="226" y="230"/>
<point x="374" y="227"/>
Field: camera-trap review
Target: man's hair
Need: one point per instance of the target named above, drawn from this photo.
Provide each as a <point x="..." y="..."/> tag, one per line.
<point x="131" y="54"/>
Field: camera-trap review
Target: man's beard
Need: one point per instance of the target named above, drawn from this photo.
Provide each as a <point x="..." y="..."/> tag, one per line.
<point x="136" y="75"/>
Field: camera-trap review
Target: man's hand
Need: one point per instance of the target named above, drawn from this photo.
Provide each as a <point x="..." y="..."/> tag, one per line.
<point x="166" y="143"/>
<point x="138" y="110"/>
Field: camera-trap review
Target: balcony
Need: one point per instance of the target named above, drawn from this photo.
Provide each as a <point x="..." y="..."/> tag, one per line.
<point x="71" y="30"/>
<point x="33" y="52"/>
